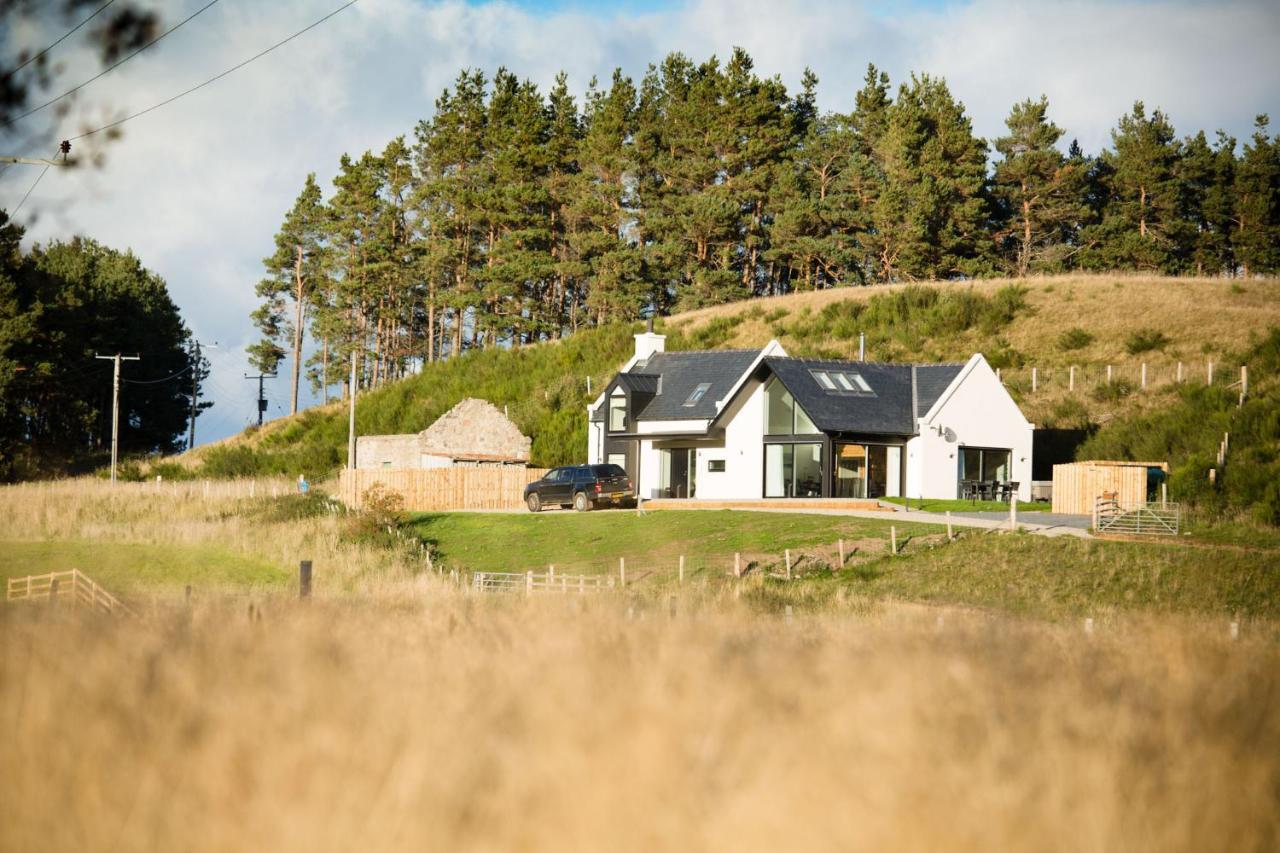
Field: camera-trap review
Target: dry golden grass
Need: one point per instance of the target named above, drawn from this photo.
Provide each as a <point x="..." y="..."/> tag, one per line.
<point x="91" y="510"/>
<point x="444" y="721"/>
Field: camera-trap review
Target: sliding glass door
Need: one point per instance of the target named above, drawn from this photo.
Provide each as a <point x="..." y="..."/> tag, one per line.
<point x="793" y="470"/>
<point x="867" y="470"/>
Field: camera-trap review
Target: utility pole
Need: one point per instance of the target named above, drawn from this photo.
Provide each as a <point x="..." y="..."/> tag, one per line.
<point x="351" y="420"/>
<point x="115" y="406"/>
<point x="262" y="395"/>
<point x="195" y="394"/>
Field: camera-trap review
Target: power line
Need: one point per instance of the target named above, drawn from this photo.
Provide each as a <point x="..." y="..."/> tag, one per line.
<point x="28" y="194"/>
<point x="217" y="77"/>
<point x="111" y="67"/>
<point x="65" y="36"/>
<point x="168" y="378"/>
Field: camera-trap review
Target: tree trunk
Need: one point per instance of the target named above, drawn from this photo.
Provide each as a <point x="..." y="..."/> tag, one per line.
<point x="324" y="369"/>
<point x="297" y="332"/>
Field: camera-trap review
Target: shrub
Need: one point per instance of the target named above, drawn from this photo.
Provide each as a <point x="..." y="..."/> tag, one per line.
<point x="1113" y="392"/>
<point x="1069" y="413"/>
<point x="1145" y="340"/>
<point x="1073" y="339"/>
<point x="382" y="508"/>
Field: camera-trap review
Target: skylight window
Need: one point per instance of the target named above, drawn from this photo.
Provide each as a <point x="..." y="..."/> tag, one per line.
<point x="839" y="382"/>
<point x="697" y="394"/>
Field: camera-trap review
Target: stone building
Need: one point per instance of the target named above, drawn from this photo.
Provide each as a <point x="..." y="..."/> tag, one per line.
<point x="474" y="432"/>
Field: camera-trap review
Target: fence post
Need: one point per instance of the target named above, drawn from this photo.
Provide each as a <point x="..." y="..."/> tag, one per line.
<point x="1013" y="512"/>
<point x="304" y="579"/>
<point x="893" y="540"/>
<point x="1235" y="630"/>
<point x="622" y="571"/>
<point x="737" y="564"/>
<point x="1244" y="383"/>
<point x="551" y="573"/>
<point x="1209" y="372"/>
<point x="1088" y="626"/>
<point x="1164" y="495"/>
<point x="787" y="553"/>
<point x="949" y="536"/>
<point x="1108" y="374"/>
<point x="1179" y="373"/>
<point x="998" y="375"/>
<point x="1071" y="378"/>
<point x="1144" y="374"/>
<point x="1034" y="378"/>
<point x="682" y="569"/>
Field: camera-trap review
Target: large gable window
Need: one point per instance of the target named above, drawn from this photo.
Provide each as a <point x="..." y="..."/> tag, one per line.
<point x="783" y="416"/>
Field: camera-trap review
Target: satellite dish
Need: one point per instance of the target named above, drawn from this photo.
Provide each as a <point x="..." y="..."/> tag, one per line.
<point x="949" y="434"/>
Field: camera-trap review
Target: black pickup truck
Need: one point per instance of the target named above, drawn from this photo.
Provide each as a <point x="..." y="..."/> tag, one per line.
<point x="581" y="487"/>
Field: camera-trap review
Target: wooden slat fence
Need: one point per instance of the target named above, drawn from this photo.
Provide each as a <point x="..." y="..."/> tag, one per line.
<point x="73" y="585"/>
<point x="485" y="487"/>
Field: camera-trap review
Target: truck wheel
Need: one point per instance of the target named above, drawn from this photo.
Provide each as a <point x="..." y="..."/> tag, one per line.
<point x="581" y="502"/>
<point x="534" y="502"/>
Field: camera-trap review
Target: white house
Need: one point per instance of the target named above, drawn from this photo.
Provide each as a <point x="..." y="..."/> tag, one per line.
<point x="751" y="424"/>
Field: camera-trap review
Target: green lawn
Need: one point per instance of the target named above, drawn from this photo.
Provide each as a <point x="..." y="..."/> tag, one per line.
<point x="954" y="505"/>
<point x="1061" y="577"/>
<point x="122" y="567"/>
<point x="593" y="542"/>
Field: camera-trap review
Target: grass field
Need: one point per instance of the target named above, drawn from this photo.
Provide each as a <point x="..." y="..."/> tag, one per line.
<point x="593" y="542"/>
<point x="444" y="722"/>
<point x="942" y="505"/>
<point x="949" y="698"/>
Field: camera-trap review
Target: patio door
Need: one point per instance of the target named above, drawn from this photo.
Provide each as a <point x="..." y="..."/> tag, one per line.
<point x="867" y="470"/>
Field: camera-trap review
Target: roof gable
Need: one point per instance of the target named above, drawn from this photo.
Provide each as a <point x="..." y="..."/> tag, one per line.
<point x="682" y="373"/>
<point x="475" y="429"/>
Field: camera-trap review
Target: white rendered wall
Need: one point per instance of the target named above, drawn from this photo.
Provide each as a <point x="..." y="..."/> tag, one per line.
<point x="595" y="442"/>
<point x="980" y="412"/>
<point x="678" y="426"/>
<point x="743" y="450"/>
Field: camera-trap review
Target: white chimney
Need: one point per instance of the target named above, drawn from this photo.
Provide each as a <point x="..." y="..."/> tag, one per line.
<point x="649" y="342"/>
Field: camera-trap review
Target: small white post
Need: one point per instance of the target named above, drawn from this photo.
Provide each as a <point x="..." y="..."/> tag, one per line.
<point x="787" y="553"/>
<point x="528" y="582"/>
<point x="1235" y="630"/>
<point x="1179" y="373"/>
<point x="998" y="374"/>
<point x="1013" y="512"/>
<point x="682" y="569"/>
<point x="1209" y="372"/>
<point x="1088" y="626"/>
<point x="1108" y="374"/>
<point x="588" y="384"/>
<point x="789" y="614"/>
<point x="737" y="564"/>
<point x="841" y="544"/>
<point x="949" y="536"/>
<point x="893" y="540"/>
<point x="551" y="573"/>
<point x="622" y="571"/>
<point x="1034" y="378"/>
<point x="1244" y="383"/>
<point x="1144" y="374"/>
<point x="1071" y="378"/>
<point x="1164" y="495"/>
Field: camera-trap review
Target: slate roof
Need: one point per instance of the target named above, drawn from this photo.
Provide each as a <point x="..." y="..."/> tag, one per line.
<point x="682" y="372"/>
<point x="888" y="410"/>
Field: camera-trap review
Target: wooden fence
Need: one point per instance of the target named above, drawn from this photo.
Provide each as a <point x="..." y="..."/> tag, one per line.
<point x="73" y="585"/>
<point x="486" y="487"/>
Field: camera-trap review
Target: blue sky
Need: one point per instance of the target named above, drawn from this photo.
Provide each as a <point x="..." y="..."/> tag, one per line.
<point x="199" y="188"/>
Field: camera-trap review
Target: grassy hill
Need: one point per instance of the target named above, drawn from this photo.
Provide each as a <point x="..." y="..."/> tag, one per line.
<point x="1049" y="324"/>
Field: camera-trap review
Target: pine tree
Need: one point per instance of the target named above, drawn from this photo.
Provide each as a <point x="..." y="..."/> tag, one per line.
<point x="1206" y="177"/>
<point x="1257" y="185"/>
<point x="1039" y="189"/>
<point x="294" y="272"/>
<point x="1141" y="228"/>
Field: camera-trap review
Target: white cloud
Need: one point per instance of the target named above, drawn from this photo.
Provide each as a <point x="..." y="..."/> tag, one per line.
<point x="198" y="188"/>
